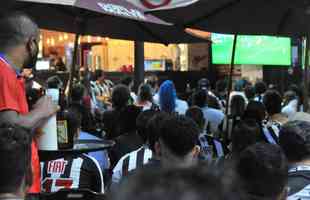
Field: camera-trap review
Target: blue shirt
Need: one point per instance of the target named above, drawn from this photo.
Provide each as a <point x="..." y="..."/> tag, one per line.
<point x="101" y="156"/>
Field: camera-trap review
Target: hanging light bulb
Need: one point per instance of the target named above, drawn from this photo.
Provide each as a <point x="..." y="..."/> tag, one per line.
<point x="107" y="39"/>
<point x="98" y="39"/>
<point x="48" y="41"/>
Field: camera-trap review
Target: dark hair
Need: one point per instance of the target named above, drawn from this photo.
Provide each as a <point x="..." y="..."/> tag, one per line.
<point x="74" y="120"/>
<point x="77" y="92"/>
<point x="260" y="87"/>
<point x="295" y="140"/>
<point x="196" y="114"/>
<point x="142" y="121"/>
<point x="128" y="117"/>
<point x="98" y="74"/>
<point x="145" y="93"/>
<point x="179" y="134"/>
<point x="15" y="29"/>
<point x="152" y="81"/>
<point x="244" y="134"/>
<point x="200" y="98"/>
<point x="15" y="143"/>
<point x="127" y="80"/>
<point x="263" y="170"/>
<point x="237" y="106"/>
<point x="199" y="183"/>
<point x="120" y="96"/>
<point x="273" y="102"/>
<point x="249" y="92"/>
<point x="153" y="128"/>
<point x="221" y="86"/>
<point x="255" y="110"/>
<point x="213" y="102"/>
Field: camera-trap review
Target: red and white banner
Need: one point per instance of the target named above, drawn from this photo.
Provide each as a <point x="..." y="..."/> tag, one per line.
<point x="161" y="4"/>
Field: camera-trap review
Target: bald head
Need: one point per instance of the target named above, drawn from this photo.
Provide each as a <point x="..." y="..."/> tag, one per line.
<point x="16" y="29"/>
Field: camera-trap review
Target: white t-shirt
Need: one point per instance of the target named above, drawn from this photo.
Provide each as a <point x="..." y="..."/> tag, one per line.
<point x="181" y="106"/>
<point x="290" y="109"/>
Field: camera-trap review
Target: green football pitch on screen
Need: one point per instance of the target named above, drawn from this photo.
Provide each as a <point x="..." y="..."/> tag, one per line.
<point x="256" y="50"/>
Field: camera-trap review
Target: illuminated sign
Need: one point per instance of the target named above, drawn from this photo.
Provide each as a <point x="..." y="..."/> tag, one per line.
<point x="121" y="11"/>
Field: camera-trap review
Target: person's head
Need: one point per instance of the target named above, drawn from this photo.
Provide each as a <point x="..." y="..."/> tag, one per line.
<point x="204" y="84"/>
<point x="255" y="110"/>
<point x="99" y="75"/>
<point x="153" y="129"/>
<point x="200" y="98"/>
<point x="260" y="87"/>
<point x="295" y="141"/>
<point x="178" y="141"/>
<point x="153" y="82"/>
<point x="128" y="81"/>
<point x="289" y="96"/>
<point x="213" y="102"/>
<point x="263" y="171"/>
<point x="15" y="151"/>
<point x="273" y="102"/>
<point x="237" y="106"/>
<point x="239" y="85"/>
<point x="196" y="114"/>
<point x="74" y="121"/>
<point x="221" y="86"/>
<point x="141" y="123"/>
<point x="249" y="92"/>
<point x="244" y="134"/>
<point x="167" y="96"/>
<point x="120" y="96"/>
<point x="199" y="183"/>
<point x="19" y="38"/>
<point x="145" y="93"/>
<point x="77" y="93"/>
<point x="128" y="117"/>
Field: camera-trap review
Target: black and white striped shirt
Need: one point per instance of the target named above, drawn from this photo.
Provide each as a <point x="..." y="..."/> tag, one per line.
<point x="131" y="161"/>
<point x="81" y="172"/>
<point x="271" y="131"/>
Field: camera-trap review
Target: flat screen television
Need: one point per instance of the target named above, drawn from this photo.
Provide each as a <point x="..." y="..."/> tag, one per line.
<point x="256" y="50"/>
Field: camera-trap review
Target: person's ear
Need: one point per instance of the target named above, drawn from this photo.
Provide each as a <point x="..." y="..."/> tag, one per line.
<point x="196" y="151"/>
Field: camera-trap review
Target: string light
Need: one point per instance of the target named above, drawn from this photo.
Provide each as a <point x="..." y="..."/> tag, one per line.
<point x="48" y="41"/>
<point x="98" y="39"/>
<point x="89" y="39"/>
<point x="60" y="38"/>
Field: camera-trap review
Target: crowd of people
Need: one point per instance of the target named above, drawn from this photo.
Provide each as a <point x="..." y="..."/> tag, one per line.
<point x="253" y="146"/>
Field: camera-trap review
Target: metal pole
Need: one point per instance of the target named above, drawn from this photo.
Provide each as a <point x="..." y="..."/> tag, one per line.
<point x="139" y="64"/>
<point x="306" y="75"/>
<point x="232" y="66"/>
<point x="73" y="64"/>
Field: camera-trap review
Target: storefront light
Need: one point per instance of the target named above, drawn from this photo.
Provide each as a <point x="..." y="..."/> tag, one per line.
<point x="89" y="39"/>
<point x="60" y="38"/>
<point x="66" y="36"/>
<point x="53" y="42"/>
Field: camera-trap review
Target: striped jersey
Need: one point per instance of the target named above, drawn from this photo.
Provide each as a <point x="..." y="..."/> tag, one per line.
<point x="271" y="131"/>
<point x="131" y="161"/>
<point x="299" y="183"/>
<point x="80" y="172"/>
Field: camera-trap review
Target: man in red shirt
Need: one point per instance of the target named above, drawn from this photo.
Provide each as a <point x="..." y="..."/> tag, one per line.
<point x="19" y="38"/>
